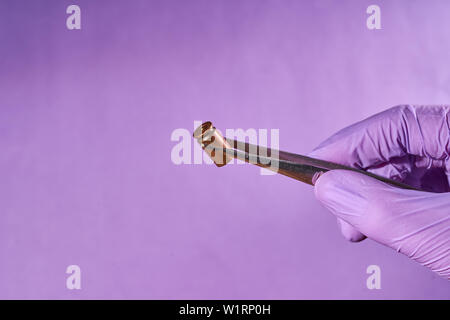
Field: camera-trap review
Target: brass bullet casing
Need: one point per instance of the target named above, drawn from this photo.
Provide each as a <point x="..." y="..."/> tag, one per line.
<point x="213" y="143"/>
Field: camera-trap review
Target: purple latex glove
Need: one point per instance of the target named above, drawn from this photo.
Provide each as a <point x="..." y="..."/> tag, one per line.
<point x="404" y="143"/>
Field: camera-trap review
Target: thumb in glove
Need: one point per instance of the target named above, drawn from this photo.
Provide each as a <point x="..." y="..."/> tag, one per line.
<point x="414" y="223"/>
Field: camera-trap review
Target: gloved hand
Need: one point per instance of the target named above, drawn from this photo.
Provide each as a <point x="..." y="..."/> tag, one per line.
<point x="405" y="143"/>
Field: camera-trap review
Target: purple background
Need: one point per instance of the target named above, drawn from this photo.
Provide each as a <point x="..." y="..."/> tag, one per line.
<point x="86" y="117"/>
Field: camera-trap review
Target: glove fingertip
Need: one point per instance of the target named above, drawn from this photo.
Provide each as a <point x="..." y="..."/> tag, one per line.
<point x="349" y="232"/>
